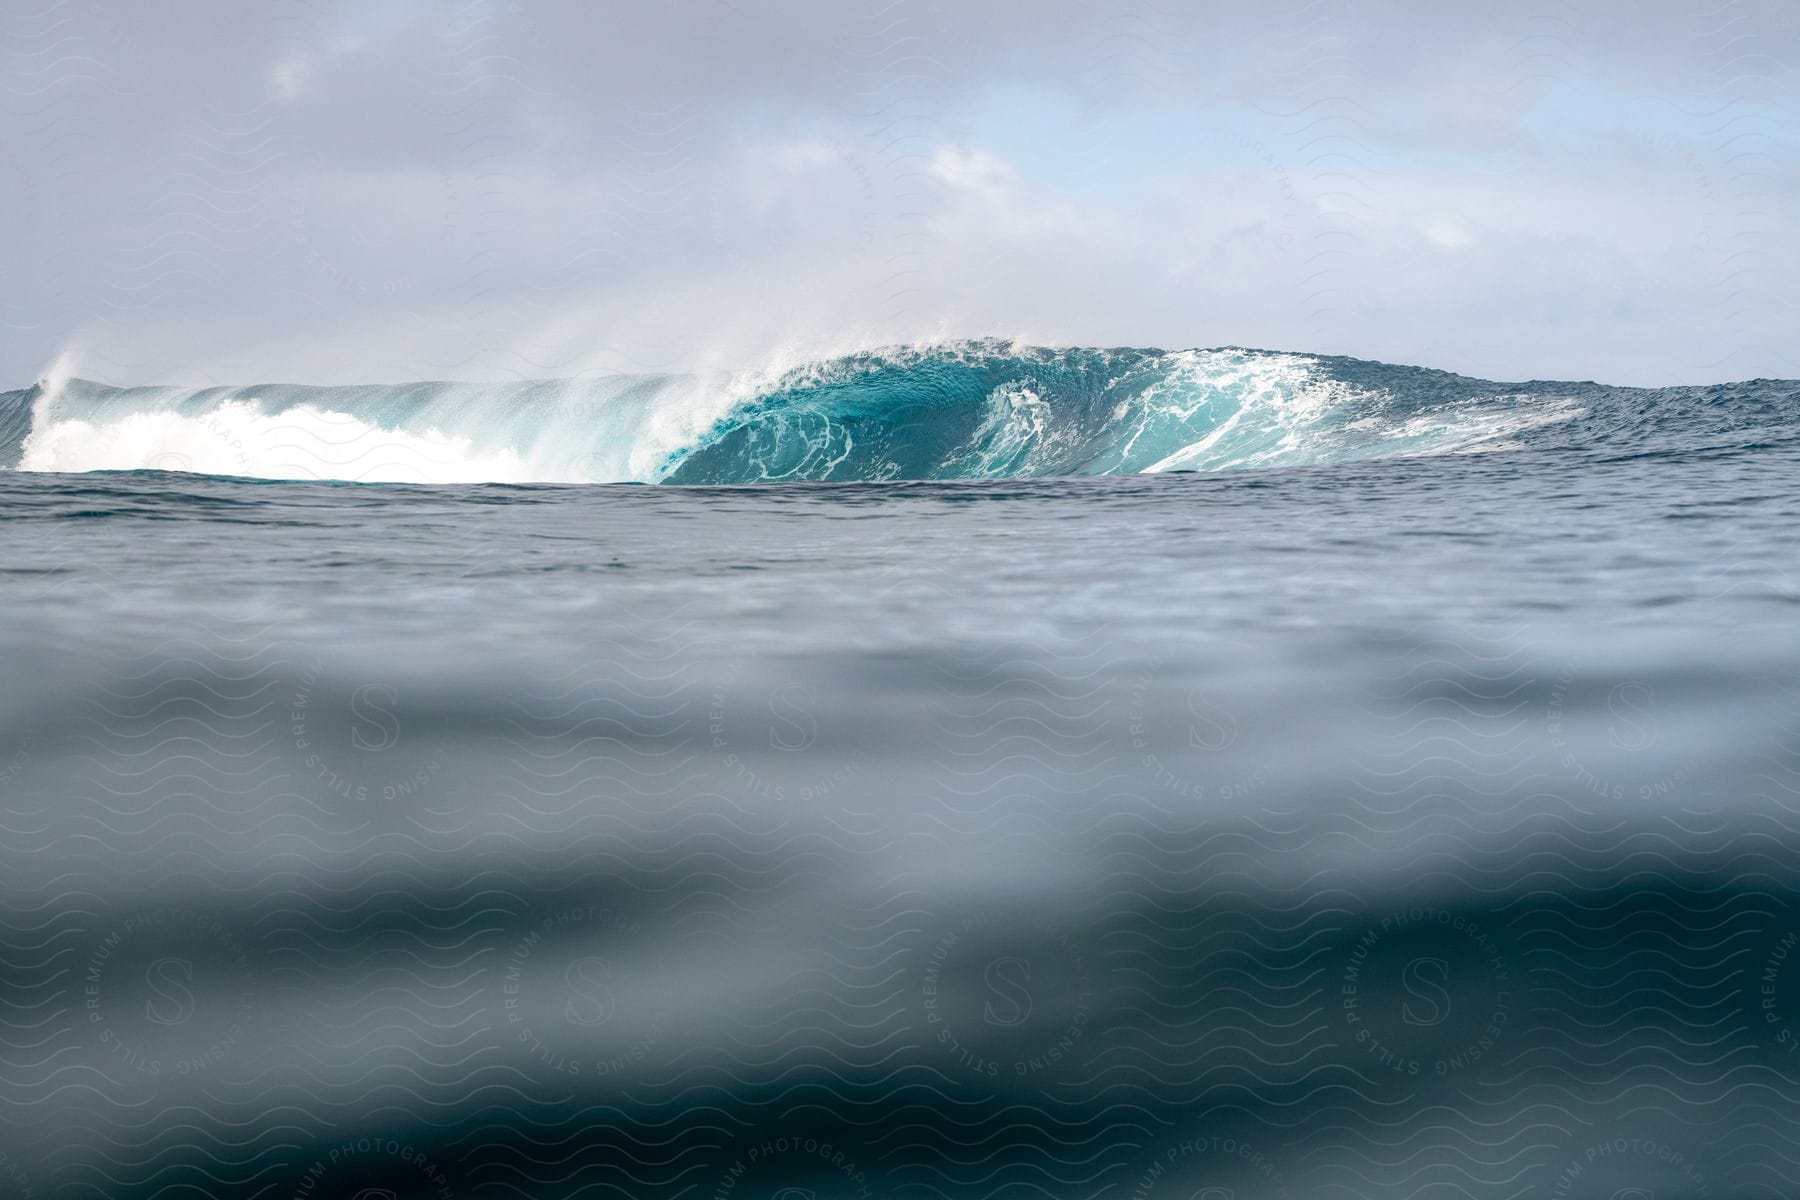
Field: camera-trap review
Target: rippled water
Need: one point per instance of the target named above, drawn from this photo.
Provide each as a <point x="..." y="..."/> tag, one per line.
<point x="1416" y="827"/>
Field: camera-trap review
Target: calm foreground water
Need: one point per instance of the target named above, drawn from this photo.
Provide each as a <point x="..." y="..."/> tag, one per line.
<point x="1393" y="826"/>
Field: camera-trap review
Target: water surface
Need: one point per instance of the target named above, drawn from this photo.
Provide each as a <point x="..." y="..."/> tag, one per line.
<point x="1368" y="826"/>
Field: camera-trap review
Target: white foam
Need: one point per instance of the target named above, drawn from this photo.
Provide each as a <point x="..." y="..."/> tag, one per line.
<point x="236" y="438"/>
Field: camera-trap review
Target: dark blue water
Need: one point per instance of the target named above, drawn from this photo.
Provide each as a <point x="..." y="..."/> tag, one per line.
<point x="1370" y="825"/>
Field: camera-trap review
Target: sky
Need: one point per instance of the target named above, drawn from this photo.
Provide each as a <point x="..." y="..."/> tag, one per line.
<point x="385" y="190"/>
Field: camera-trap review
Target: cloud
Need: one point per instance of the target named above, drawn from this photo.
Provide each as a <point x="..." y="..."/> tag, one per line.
<point x="400" y="191"/>
<point x="291" y="76"/>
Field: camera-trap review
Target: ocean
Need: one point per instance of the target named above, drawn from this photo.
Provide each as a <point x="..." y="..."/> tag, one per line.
<point x="971" y="770"/>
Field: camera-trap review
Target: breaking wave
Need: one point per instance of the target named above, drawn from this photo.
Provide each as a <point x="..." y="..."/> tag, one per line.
<point x="962" y="410"/>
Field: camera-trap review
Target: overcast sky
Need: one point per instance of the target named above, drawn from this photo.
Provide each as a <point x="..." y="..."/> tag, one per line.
<point x="338" y="190"/>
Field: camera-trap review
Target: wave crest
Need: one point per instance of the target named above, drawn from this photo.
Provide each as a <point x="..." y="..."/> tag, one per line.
<point x="977" y="409"/>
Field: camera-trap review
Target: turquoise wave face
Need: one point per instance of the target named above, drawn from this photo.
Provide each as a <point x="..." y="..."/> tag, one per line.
<point x="971" y="411"/>
<point x="959" y="410"/>
<point x="975" y="410"/>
